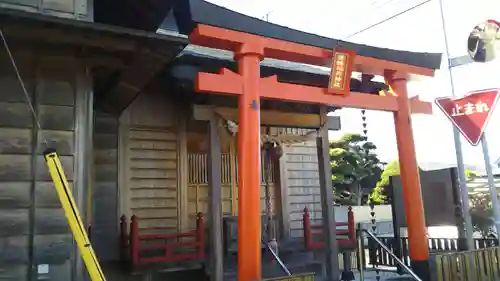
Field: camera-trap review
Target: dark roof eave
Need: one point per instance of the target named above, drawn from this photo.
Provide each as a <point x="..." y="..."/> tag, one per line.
<point x="222" y="55"/>
<point x="44" y="21"/>
<point x="209" y="60"/>
<point x="145" y="15"/>
<point x="188" y="13"/>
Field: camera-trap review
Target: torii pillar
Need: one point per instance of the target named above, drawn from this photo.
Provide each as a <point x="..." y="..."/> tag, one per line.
<point x="249" y="210"/>
<point x="247" y="84"/>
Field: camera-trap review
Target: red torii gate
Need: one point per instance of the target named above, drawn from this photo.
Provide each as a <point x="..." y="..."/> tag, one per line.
<point x="247" y="84"/>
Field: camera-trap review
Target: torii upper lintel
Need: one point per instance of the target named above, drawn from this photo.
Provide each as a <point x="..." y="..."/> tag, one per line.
<point x="230" y="40"/>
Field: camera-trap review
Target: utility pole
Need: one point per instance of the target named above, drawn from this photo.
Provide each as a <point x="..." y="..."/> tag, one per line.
<point x="266" y="16"/>
<point x="466" y="231"/>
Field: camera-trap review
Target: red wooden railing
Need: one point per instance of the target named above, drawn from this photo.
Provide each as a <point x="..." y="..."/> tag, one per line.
<point x="346" y="234"/>
<point x="136" y="244"/>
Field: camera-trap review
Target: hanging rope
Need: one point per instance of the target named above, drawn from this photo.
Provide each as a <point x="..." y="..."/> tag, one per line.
<point x="23" y="86"/>
<point x="267" y="179"/>
<point x="374" y="258"/>
<point x="271" y="222"/>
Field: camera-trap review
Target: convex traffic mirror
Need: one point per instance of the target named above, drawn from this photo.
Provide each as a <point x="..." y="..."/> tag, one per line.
<point x="482" y="44"/>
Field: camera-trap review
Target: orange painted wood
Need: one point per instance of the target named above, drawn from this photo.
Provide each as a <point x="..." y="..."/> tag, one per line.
<point x="230" y="83"/>
<point x="316" y="230"/>
<point x="272" y="89"/>
<point x="224" y="83"/>
<point x="249" y="211"/>
<point x="220" y="38"/>
<point x="250" y="87"/>
<point x="412" y="194"/>
<point x="173" y="248"/>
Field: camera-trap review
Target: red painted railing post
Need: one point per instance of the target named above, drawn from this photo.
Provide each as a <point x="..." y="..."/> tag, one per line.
<point x="123" y="237"/>
<point x="200" y="235"/>
<point x="351" y="225"/>
<point x="134" y="240"/>
<point x="307" y="229"/>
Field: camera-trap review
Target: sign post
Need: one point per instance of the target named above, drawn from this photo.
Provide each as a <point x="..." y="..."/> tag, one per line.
<point x="491" y="184"/>
<point x="470" y="115"/>
<point x="465" y="233"/>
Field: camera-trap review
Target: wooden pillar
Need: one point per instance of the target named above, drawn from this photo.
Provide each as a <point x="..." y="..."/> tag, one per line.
<point x="412" y="194"/>
<point x="183" y="174"/>
<point x="282" y="182"/>
<point x="249" y="217"/>
<point x="234" y="187"/>
<point x="325" y="180"/>
<point x="214" y="182"/>
<point x="84" y="121"/>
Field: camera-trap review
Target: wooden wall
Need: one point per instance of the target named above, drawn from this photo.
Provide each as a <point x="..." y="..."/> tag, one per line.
<point x="148" y="160"/>
<point x="301" y="178"/>
<point x="76" y="9"/>
<point x="161" y="180"/>
<point x="104" y="203"/>
<point x="164" y="180"/>
<point x="33" y="228"/>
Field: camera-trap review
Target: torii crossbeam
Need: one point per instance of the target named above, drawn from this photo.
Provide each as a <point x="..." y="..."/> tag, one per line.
<point x="250" y="88"/>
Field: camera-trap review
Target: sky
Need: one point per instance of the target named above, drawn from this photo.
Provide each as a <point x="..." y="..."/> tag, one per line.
<point x="419" y="29"/>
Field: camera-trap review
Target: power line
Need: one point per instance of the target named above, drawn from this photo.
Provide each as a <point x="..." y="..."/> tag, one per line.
<point x="376" y="6"/>
<point x="387" y="19"/>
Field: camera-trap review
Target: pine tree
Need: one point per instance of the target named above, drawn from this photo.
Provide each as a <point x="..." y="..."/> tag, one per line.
<point x="355" y="168"/>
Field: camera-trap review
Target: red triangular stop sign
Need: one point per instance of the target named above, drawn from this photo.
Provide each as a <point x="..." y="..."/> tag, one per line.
<point x="470" y="113"/>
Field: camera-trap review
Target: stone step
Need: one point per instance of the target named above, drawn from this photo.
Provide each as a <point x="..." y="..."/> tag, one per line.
<point x="273" y="270"/>
<point x="400" y="278"/>
<point x="289" y="259"/>
<point x="371" y="275"/>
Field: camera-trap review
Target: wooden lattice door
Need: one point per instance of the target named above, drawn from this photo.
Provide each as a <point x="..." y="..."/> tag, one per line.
<point x="198" y="189"/>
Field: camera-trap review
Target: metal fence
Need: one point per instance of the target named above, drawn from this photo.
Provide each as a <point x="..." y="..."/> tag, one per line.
<point x="436" y="245"/>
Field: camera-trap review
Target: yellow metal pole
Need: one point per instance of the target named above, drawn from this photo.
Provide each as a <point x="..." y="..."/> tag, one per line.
<point x="74" y="220"/>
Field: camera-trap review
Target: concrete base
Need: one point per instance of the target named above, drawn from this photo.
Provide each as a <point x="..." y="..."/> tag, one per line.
<point x="421" y="269"/>
<point x="115" y="272"/>
<point x="347" y="276"/>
